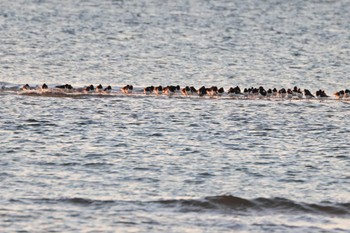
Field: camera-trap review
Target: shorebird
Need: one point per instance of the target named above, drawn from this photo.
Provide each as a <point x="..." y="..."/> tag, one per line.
<point x="221" y="91"/>
<point x="308" y="94"/>
<point x="235" y="92"/>
<point x="262" y="93"/>
<point x="89" y="89"/>
<point x="274" y="92"/>
<point x="44" y="87"/>
<point x="108" y="89"/>
<point x="26" y="87"/>
<point x="202" y="91"/>
<point x="282" y="93"/>
<point x="321" y="94"/>
<point x="347" y="93"/>
<point x="169" y="90"/>
<point x="158" y="90"/>
<point x="148" y="90"/>
<point x="99" y="88"/>
<point x="339" y="94"/>
<point x="127" y="89"/>
<point x="186" y="91"/>
<point x="65" y="87"/>
<point x="212" y="91"/>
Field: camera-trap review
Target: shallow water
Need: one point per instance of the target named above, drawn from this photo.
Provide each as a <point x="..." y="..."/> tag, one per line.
<point x="136" y="163"/>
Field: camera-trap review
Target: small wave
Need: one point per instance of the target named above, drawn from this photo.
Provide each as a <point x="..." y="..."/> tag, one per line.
<point x="225" y="203"/>
<point x="85" y="201"/>
<point x="98" y="164"/>
<point x="73" y="200"/>
<point x="156" y="135"/>
<point x="282" y="205"/>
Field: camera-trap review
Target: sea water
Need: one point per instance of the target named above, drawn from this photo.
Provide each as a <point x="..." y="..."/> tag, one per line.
<point x="147" y="163"/>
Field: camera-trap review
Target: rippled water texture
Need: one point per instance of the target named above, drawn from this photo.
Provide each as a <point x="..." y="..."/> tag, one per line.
<point x="135" y="163"/>
<point x="187" y="42"/>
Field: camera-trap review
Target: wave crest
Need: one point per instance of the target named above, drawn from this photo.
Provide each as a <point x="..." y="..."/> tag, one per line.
<point x="281" y="205"/>
<point x="225" y="203"/>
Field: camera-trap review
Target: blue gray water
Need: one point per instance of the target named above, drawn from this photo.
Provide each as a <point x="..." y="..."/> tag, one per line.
<point x="135" y="163"/>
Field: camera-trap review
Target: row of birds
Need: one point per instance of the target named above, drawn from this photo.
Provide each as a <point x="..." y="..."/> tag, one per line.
<point x="260" y="92"/>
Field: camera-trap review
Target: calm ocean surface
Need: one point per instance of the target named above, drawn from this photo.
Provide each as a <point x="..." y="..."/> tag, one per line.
<point x="137" y="163"/>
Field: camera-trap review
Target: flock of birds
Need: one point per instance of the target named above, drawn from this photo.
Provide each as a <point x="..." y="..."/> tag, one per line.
<point x="234" y="92"/>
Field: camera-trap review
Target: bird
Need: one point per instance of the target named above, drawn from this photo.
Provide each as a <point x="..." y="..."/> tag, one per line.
<point x="253" y="92"/>
<point x="297" y="92"/>
<point x="127" y="89"/>
<point x="26" y="87"/>
<point x="246" y="92"/>
<point x="148" y="90"/>
<point x="44" y="87"/>
<point x="262" y="93"/>
<point x="321" y="94"/>
<point x="308" y="94"/>
<point x="65" y="87"/>
<point x="193" y="90"/>
<point x="339" y="94"/>
<point x="347" y="93"/>
<point x="169" y="90"/>
<point x="99" y="88"/>
<point x="186" y="91"/>
<point x="274" y="92"/>
<point x="212" y="91"/>
<point x="177" y="88"/>
<point x="234" y="91"/>
<point x="269" y="93"/>
<point x="108" y="89"/>
<point x="221" y="91"/>
<point x="158" y="90"/>
<point x="202" y="91"/>
<point x="89" y="89"/>
<point x="282" y="93"/>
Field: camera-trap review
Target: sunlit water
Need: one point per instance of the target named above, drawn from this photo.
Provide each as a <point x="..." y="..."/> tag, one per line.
<point x="136" y="163"/>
